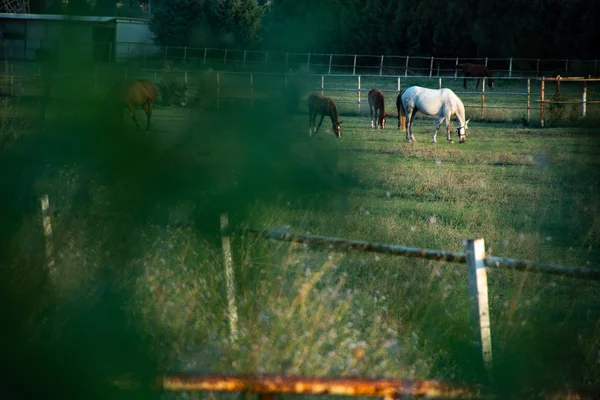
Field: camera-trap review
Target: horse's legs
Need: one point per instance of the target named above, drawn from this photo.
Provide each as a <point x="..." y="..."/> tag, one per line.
<point x="148" y="110"/>
<point x="465" y="83"/>
<point x="311" y="121"/>
<point x="410" y="115"/>
<point x="371" y="111"/>
<point x="438" y="123"/>
<point x="320" y="122"/>
<point x="131" y="111"/>
<point x="477" y="85"/>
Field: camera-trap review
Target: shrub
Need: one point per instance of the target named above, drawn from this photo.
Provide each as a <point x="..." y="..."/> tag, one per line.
<point x="172" y="91"/>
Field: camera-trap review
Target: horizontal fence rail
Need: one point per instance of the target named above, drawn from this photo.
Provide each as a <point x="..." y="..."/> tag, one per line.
<point x="527" y="94"/>
<point x="428" y="254"/>
<point x="118" y="51"/>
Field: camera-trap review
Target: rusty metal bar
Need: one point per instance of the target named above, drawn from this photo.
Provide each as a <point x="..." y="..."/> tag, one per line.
<point x="531" y="266"/>
<point x="345" y="244"/>
<point x="387" y="388"/>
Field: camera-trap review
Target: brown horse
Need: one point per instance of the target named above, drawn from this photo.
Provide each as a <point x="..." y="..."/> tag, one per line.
<point x="133" y="93"/>
<point x="476" y="71"/>
<point x="319" y="104"/>
<point x="377" y="107"/>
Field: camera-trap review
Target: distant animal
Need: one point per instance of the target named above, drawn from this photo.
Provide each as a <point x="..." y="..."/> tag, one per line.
<point x="321" y="105"/>
<point x="377" y="108"/>
<point x="133" y="93"/>
<point x="476" y="71"/>
<point x="438" y="103"/>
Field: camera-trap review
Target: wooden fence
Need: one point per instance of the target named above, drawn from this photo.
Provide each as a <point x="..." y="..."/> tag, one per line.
<point x="19" y="78"/>
<point x="474" y="256"/>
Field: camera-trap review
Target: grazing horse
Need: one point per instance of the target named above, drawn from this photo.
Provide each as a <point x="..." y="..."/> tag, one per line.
<point x="319" y="104"/>
<point x="438" y="103"/>
<point x="377" y="107"/>
<point x="476" y="71"/>
<point x="133" y="93"/>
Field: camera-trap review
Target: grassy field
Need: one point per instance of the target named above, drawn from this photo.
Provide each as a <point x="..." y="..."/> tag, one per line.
<point x="136" y="245"/>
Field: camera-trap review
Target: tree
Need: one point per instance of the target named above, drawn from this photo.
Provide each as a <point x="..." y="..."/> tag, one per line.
<point x="204" y="22"/>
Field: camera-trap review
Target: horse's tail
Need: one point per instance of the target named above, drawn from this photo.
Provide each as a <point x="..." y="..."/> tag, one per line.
<point x="401" y="111"/>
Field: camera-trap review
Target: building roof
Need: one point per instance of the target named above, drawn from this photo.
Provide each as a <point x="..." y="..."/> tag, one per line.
<point x="56" y="17"/>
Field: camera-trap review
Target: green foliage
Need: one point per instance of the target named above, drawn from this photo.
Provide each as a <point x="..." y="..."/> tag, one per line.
<point x="171" y="88"/>
<point x="204" y="22"/>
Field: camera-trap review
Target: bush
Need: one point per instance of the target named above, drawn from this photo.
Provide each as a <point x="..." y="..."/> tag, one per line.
<point x="172" y="91"/>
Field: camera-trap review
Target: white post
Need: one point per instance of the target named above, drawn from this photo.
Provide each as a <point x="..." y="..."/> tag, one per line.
<point x="354" y="67"/>
<point x="510" y="68"/>
<point x="381" y="66"/>
<point x="225" y="57"/>
<point x="244" y="60"/>
<point x="440" y="83"/>
<point x="330" y="59"/>
<point x="46" y="222"/>
<point x="486" y="60"/>
<point x="228" y="261"/>
<point x="322" y="84"/>
<point x="406" y="67"/>
<point x="431" y="68"/>
<point x="456" y="68"/>
<point x="478" y="297"/>
<point x="218" y="88"/>
<point x="528" y="100"/>
<point x="185" y="54"/>
<point x="204" y="59"/>
<point x="398" y="85"/>
<point x="584" y="100"/>
<point x="185" y="79"/>
<point x="359" y="95"/>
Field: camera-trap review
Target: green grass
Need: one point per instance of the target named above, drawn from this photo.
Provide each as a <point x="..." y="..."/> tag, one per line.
<point x="531" y="193"/>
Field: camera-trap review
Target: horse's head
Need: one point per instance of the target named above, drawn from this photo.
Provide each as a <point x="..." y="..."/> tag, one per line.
<point x="337" y="129"/>
<point x="462" y="131"/>
<point x="383" y="119"/>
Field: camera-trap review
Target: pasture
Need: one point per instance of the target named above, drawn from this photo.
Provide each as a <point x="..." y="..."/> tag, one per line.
<point x="138" y="214"/>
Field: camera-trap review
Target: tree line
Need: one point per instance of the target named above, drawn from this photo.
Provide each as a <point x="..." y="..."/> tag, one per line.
<point x="441" y="28"/>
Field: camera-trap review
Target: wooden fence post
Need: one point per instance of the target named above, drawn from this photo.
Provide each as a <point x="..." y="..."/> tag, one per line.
<point x="528" y="100"/>
<point x="354" y="67"/>
<point x="584" y="99"/>
<point x="478" y="297"/>
<point x="542" y="102"/>
<point x="47" y="224"/>
<point x="218" y="89"/>
<point x="456" y="68"/>
<point x="228" y="263"/>
<point x="431" y="68"/>
<point x="482" y="96"/>
<point x="322" y="84"/>
<point x="358" y="95"/>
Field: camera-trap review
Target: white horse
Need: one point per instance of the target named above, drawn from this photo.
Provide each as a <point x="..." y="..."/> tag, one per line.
<point x="440" y="104"/>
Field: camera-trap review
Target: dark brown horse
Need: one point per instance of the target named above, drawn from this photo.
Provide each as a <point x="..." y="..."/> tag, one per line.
<point x="133" y="93"/>
<point x="319" y="104"/>
<point x="377" y="107"/>
<point x="476" y="71"/>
